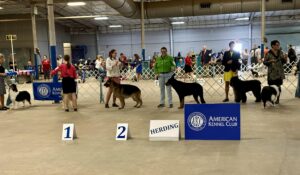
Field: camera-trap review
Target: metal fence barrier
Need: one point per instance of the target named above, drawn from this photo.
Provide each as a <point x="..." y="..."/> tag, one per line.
<point x="90" y="84"/>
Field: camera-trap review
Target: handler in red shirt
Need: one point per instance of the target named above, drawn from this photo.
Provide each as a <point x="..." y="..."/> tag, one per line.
<point x="46" y="67"/>
<point x="68" y="74"/>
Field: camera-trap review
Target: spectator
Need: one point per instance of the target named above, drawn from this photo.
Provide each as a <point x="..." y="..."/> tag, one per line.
<point x="68" y="74"/>
<point x="164" y="69"/>
<point x="2" y="83"/>
<point x="292" y="55"/>
<point x="253" y="56"/>
<point x="188" y="66"/>
<point x="46" y="67"/>
<point x="12" y="66"/>
<point x="29" y="67"/>
<point x="113" y="73"/>
<point x="124" y="62"/>
<point x="205" y="56"/>
<point x="274" y="61"/>
<point x="245" y="56"/>
<point x="138" y="66"/>
<point x="257" y="54"/>
<point x="59" y="60"/>
<point x="232" y="65"/>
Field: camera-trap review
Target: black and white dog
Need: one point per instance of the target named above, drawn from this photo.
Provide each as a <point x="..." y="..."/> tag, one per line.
<point x="270" y="94"/>
<point x="17" y="96"/>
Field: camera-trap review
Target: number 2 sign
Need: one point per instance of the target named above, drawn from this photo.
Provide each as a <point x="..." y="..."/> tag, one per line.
<point x="68" y="132"/>
<point x="122" y="131"/>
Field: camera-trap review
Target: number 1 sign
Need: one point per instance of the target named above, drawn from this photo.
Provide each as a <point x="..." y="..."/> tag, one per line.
<point x="122" y="131"/>
<point x="68" y="132"/>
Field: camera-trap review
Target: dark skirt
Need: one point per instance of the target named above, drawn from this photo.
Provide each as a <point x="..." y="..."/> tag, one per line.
<point x="188" y="69"/>
<point x="277" y="82"/>
<point x="68" y="85"/>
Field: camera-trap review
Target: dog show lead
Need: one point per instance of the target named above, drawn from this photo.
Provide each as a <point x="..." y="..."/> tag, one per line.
<point x="274" y="61"/>
<point x="164" y="69"/>
<point x="68" y="74"/>
<point x="113" y="73"/>
<point x="2" y="83"/>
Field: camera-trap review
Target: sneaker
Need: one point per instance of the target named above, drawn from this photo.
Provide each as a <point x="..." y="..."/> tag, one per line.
<point x="226" y="100"/>
<point x="66" y="110"/>
<point x="75" y="109"/>
<point x="106" y="106"/>
<point x="115" y="105"/>
<point x="171" y="106"/>
<point x="161" y="106"/>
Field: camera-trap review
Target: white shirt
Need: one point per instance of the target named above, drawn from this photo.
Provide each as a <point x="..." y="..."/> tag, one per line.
<point x="97" y="64"/>
<point x="112" y="69"/>
<point x="258" y="53"/>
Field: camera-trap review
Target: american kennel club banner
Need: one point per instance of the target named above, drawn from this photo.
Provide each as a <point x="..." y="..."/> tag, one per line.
<point x="212" y="122"/>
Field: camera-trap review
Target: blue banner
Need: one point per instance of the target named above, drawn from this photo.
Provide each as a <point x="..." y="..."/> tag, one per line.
<point x="47" y="91"/>
<point x="212" y="122"/>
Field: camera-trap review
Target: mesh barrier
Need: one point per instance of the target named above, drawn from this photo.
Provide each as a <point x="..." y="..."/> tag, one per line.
<point x="91" y="90"/>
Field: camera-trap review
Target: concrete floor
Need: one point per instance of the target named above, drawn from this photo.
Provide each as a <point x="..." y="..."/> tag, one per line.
<point x="30" y="142"/>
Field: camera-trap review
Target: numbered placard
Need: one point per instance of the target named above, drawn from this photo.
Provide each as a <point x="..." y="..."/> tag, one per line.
<point x="68" y="132"/>
<point x="122" y="131"/>
<point x="220" y="81"/>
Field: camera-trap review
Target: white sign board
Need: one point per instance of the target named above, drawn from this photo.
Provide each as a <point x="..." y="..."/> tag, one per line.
<point x="68" y="132"/>
<point x="11" y="37"/>
<point x="164" y="130"/>
<point x="122" y="131"/>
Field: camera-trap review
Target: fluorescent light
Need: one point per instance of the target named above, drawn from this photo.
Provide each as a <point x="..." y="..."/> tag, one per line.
<point x="76" y="3"/>
<point x="242" y="19"/>
<point x="1" y="8"/>
<point x="178" y="22"/>
<point x="115" y="26"/>
<point x="101" y="18"/>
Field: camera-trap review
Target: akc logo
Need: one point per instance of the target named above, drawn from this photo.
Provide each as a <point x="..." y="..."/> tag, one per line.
<point x="44" y="90"/>
<point x="196" y="121"/>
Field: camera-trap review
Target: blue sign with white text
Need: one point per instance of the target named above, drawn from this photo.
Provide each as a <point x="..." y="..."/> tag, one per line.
<point x="47" y="91"/>
<point x="212" y="122"/>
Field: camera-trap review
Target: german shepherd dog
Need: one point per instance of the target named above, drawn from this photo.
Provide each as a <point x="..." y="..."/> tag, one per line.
<point x="186" y="89"/>
<point x="123" y="91"/>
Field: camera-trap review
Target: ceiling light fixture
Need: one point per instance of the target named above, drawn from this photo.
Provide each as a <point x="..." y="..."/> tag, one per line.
<point x="178" y="22"/>
<point x="242" y="19"/>
<point x="1" y="8"/>
<point x="76" y="3"/>
<point x="115" y="26"/>
<point x="101" y="18"/>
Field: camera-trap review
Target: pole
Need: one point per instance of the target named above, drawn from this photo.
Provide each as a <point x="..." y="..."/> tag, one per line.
<point x="12" y="52"/>
<point x="263" y="26"/>
<point x="143" y="29"/>
<point x="52" y="37"/>
<point x="34" y="38"/>
<point x="171" y="41"/>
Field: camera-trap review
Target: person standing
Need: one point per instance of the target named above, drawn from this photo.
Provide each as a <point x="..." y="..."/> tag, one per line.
<point x="68" y="74"/>
<point x="2" y="83"/>
<point x="245" y="56"/>
<point x="46" y="67"/>
<point x="138" y="66"/>
<point x="164" y="69"/>
<point x="188" y="66"/>
<point x="113" y="73"/>
<point x="292" y="55"/>
<point x="232" y="65"/>
<point x="274" y="61"/>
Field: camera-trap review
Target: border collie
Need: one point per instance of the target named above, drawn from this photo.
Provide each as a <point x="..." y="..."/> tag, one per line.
<point x="18" y="96"/>
<point x="270" y="94"/>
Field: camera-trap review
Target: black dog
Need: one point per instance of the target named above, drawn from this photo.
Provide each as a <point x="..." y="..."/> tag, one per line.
<point x="123" y="91"/>
<point x="270" y="94"/>
<point x="18" y="96"/>
<point x="186" y="89"/>
<point x="242" y="87"/>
